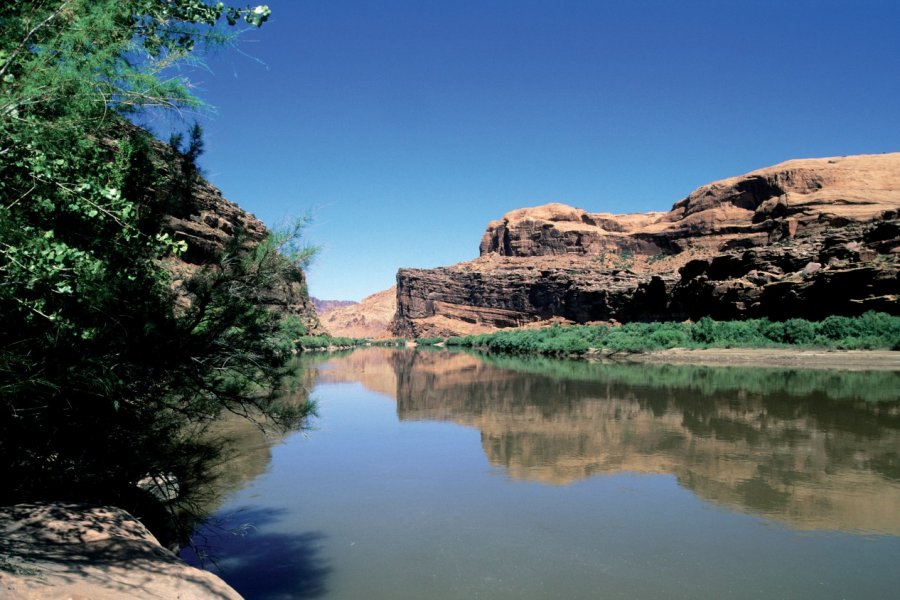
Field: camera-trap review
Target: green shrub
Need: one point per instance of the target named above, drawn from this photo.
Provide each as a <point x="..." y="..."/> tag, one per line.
<point x="703" y="331"/>
<point x="390" y="343"/>
<point x="668" y="337"/>
<point x="797" y="331"/>
<point x="323" y="342"/>
<point x="564" y="344"/>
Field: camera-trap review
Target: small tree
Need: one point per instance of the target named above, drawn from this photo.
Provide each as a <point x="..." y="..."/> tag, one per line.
<point x="100" y="378"/>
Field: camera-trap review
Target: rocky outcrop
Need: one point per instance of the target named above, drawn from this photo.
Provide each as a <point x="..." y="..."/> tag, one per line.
<point x="843" y="271"/>
<point x="370" y="318"/>
<point x="806" y="238"/>
<point x="50" y="551"/>
<point x="794" y="198"/>
<point x="207" y="222"/>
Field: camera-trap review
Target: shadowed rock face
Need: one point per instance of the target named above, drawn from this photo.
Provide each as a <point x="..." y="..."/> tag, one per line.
<point x="515" y="292"/>
<point x="805" y="238"/>
<point x="207" y="222"/>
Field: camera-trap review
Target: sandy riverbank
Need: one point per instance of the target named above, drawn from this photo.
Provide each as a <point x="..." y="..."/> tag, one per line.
<point x="847" y="360"/>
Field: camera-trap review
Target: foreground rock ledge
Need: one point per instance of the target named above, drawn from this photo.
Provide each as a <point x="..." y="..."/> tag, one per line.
<point x="64" y="551"/>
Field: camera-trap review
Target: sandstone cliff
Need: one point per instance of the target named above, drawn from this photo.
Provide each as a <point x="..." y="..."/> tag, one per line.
<point x="806" y="238"/>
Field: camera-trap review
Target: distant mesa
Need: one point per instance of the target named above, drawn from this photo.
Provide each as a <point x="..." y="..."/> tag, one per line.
<point x="805" y="238"/>
<point x="323" y="306"/>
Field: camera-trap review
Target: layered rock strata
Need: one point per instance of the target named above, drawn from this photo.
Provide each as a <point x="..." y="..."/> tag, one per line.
<point x="806" y="238"/>
<point x="488" y="294"/>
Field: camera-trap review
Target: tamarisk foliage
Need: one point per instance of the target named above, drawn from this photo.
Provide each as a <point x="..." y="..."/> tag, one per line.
<point x="102" y="380"/>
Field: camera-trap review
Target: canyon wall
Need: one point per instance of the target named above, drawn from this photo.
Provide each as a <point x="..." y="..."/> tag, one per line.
<point x="806" y="238"/>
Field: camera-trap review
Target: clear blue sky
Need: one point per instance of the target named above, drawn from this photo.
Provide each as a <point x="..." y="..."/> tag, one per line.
<point x="405" y="126"/>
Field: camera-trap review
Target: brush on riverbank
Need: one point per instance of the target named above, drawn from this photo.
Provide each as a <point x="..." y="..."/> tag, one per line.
<point x="870" y="331"/>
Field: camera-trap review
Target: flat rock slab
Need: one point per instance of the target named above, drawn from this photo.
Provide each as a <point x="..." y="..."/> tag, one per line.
<point x="72" y="552"/>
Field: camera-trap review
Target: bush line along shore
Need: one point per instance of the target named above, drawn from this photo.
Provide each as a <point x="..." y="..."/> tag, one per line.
<point x="869" y="331"/>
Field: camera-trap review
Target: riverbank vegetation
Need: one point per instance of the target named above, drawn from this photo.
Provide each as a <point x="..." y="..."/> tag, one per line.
<point x="107" y="369"/>
<point x="868" y="331"/>
<point x="390" y="343"/>
<point x="318" y="343"/>
<point x="313" y="343"/>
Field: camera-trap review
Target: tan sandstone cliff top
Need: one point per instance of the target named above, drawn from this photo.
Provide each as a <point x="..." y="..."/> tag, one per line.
<point x="857" y="188"/>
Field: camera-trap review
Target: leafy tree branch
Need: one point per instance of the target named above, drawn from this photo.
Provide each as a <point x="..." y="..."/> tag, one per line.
<point x="107" y="369"/>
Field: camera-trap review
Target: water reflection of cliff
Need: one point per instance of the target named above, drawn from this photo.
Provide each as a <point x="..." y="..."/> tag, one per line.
<point x="808" y="448"/>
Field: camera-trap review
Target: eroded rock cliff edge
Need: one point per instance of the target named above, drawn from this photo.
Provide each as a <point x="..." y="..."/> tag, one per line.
<point x="805" y="238"/>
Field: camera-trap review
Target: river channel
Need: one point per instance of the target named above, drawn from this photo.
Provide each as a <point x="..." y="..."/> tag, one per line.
<point x="431" y="475"/>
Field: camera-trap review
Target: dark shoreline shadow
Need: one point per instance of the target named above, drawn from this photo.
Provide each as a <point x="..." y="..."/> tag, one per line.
<point x="259" y="564"/>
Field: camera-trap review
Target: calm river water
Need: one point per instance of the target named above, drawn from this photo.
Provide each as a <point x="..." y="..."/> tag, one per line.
<point x="431" y="475"/>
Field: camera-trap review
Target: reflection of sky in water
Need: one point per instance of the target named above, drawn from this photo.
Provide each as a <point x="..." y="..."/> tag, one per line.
<point x="372" y="506"/>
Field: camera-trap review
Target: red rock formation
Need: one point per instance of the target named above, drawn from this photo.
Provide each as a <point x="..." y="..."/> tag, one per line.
<point x="804" y="238"/>
<point x="200" y="216"/>
<point x="491" y="293"/>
